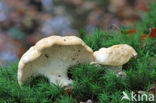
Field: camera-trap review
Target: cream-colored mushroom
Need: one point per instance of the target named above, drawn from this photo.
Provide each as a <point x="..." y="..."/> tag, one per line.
<point x="51" y="57"/>
<point x="115" y="56"/>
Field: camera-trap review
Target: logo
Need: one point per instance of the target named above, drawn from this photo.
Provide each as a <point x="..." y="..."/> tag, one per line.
<point x="125" y="96"/>
<point x="137" y="97"/>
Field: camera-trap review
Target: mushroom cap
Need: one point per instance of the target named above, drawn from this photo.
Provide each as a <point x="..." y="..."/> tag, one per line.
<point x="116" y="55"/>
<point x="51" y="57"/>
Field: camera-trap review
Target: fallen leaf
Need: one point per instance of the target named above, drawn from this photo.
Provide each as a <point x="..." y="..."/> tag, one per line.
<point x="144" y="37"/>
<point x="153" y="33"/>
<point x="153" y="90"/>
<point x="132" y="31"/>
<point x="68" y="89"/>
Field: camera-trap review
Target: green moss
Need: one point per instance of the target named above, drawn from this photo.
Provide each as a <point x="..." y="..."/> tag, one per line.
<point x="90" y="82"/>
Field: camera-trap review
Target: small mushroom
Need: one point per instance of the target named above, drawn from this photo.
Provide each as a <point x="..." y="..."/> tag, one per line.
<point x="51" y="57"/>
<point x="114" y="56"/>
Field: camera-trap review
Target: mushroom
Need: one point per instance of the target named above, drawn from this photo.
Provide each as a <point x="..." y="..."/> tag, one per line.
<point x="114" y="56"/>
<point x="51" y="57"/>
